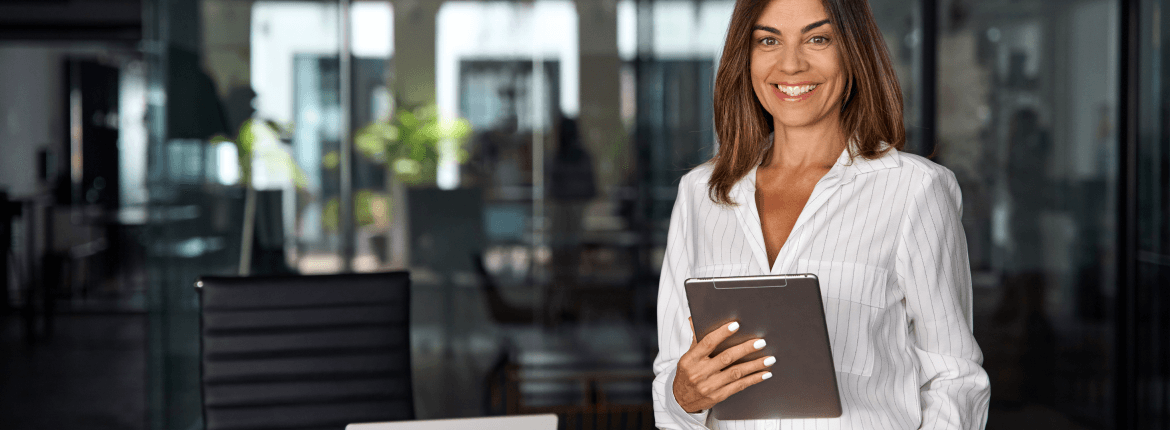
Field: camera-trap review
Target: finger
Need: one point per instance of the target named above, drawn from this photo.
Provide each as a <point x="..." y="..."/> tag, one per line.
<point x="739" y="371"/>
<point x="714" y="338"/>
<point x="733" y="354"/>
<point x="740" y="384"/>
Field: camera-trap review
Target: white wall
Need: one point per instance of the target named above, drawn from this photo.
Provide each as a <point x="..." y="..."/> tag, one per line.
<point x="682" y="29"/>
<point x="498" y="30"/>
<point x="31" y="110"/>
<point x="1093" y="84"/>
<point x="32" y="114"/>
<point x="495" y="30"/>
<point x="282" y="29"/>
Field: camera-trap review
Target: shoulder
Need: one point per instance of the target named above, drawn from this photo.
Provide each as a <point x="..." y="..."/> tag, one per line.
<point x="929" y="180"/>
<point x="699" y="175"/>
<point x="695" y="182"/>
<point x="924" y="172"/>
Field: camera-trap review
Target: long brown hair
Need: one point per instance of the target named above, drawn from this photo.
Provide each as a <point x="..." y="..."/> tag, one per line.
<point x="872" y="112"/>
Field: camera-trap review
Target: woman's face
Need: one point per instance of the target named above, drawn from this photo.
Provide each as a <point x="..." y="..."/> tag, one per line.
<point x="796" y="69"/>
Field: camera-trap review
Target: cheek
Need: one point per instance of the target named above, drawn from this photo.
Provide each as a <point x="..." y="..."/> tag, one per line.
<point x="759" y="71"/>
<point x="834" y="67"/>
<point x="831" y="69"/>
<point x="761" y="63"/>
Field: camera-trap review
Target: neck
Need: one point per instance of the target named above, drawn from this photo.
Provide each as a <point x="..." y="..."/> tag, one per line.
<point x="817" y="145"/>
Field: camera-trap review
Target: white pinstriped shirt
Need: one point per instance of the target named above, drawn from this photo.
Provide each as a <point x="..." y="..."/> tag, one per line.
<point x="884" y="238"/>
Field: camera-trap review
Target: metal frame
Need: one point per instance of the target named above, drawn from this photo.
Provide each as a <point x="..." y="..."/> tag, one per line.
<point x="928" y="86"/>
<point x="1125" y="348"/>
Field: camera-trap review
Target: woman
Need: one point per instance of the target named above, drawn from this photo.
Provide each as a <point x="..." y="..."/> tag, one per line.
<point x="809" y="179"/>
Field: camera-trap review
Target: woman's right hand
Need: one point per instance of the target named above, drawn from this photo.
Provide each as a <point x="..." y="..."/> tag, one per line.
<point x="702" y="380"/>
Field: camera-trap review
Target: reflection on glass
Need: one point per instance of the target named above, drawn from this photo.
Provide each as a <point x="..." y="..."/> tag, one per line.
<point x="295" y="74"/>
<point x="270" y="69"/>
<point x="511" y="70"/>
<point x="901" y="26"/>
<point x="1027" y="107"/>
<point x="1147" y="404"/>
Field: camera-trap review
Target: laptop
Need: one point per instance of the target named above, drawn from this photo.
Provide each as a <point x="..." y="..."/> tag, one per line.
<point x="511" y="422"/>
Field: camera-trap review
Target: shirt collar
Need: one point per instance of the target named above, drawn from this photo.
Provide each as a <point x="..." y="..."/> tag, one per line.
<point x="846" y="166"/>
<point x="860" y="165"/>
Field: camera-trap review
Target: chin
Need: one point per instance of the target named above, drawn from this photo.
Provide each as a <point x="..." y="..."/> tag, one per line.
<point x="795" y="119"/>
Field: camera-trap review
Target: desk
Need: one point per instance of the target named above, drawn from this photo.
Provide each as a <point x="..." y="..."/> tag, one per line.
<point x="38" y="307"/>
<point x="593" y="376"/>
<point x="59" y="248"/>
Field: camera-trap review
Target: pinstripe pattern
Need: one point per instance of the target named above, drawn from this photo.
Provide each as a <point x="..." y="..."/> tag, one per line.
<point x="884" y="238"/>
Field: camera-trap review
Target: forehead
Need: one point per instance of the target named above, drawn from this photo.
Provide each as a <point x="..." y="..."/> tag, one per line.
<point x="783" y="14"/>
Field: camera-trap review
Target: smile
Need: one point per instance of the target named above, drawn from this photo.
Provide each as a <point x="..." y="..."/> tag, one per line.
<point x="796" y="90"/>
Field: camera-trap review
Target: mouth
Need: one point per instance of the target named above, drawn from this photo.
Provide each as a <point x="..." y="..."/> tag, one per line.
<point x="794" y="92"/>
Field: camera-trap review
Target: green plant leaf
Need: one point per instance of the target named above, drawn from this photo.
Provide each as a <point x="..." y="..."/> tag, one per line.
<point x="369" y="143"/>
<point x="219" y="138"/>
<point x="331" y="160"/>
<point x="330" y="215"/>
<point x="411" y="142"/>
<point x="246" y="138"/>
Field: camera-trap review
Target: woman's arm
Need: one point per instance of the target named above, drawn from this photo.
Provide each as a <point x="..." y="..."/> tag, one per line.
<point x="674" y="332"/>
<point x="934" y="270"/>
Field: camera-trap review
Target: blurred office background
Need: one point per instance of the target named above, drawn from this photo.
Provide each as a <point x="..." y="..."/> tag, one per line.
<point x="521" y="158"/>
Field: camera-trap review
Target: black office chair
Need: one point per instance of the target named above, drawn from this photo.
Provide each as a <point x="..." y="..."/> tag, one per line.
<point x="305" y="352"/>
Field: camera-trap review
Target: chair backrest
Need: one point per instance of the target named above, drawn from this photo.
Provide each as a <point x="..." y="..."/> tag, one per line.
<point x="305" y="351"/>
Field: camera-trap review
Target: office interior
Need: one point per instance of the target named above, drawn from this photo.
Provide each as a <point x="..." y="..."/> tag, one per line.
<point x="520" y="160"/>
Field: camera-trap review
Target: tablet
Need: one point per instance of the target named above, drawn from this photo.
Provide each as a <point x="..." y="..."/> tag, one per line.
<point x="787" y="312"/>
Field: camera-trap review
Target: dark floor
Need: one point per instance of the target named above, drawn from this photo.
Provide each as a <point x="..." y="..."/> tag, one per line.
<point x="90" y="374"/>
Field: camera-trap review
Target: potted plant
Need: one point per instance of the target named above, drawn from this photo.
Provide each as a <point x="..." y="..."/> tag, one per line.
<point x="258" y="141"/>
<point x="409" y="144"/>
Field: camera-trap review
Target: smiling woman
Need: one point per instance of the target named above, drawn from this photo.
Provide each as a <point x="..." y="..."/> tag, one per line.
<point x="809" y="179"/>
<point x="839" y="42"/>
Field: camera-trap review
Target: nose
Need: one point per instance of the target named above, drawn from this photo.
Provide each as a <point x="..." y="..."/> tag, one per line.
<point x="791" y="59"/>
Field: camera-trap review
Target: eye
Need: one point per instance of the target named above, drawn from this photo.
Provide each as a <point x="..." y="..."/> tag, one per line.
<point x="819" y="40"/>
<point x="768" y="41"/>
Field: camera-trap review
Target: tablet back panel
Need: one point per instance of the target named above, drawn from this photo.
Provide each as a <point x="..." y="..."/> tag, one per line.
<point x="787" y="312"/>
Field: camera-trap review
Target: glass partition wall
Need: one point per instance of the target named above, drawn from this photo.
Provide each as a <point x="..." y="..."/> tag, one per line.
<point x="534" y="231"/>
<point x="247" y="145"/>
<point x="1027" y="113"/>
<point x="1144" y="362"/>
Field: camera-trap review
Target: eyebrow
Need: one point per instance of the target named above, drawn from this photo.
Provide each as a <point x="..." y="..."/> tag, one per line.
<point x="806" y="28"/>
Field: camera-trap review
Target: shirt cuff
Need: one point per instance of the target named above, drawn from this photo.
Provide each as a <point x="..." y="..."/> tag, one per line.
<point x="696" y="420"/>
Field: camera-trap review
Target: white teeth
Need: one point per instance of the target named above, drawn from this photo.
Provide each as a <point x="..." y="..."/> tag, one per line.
<point x="795" y="91"/>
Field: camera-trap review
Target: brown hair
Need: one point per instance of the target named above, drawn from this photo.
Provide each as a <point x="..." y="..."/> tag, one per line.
<point x="872" y="113"/>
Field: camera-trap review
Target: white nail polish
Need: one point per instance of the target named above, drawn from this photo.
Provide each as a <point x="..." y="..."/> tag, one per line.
<point x="759" y="344"/>
<point x="733" y="326"/>
<point x="767" y="375"/>
<point x="769" y="361"/>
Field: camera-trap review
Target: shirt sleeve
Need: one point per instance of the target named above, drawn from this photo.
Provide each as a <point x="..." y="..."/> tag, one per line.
<point x="674" y="331"/>
<point x="935" y="272"/>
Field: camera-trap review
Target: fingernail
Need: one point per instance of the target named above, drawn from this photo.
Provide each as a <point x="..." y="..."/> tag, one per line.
<point x="759" y="344"/>
<point x="769" y="361"/>
<point x="767" y="375"/>
<point x="733" y="326"/>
